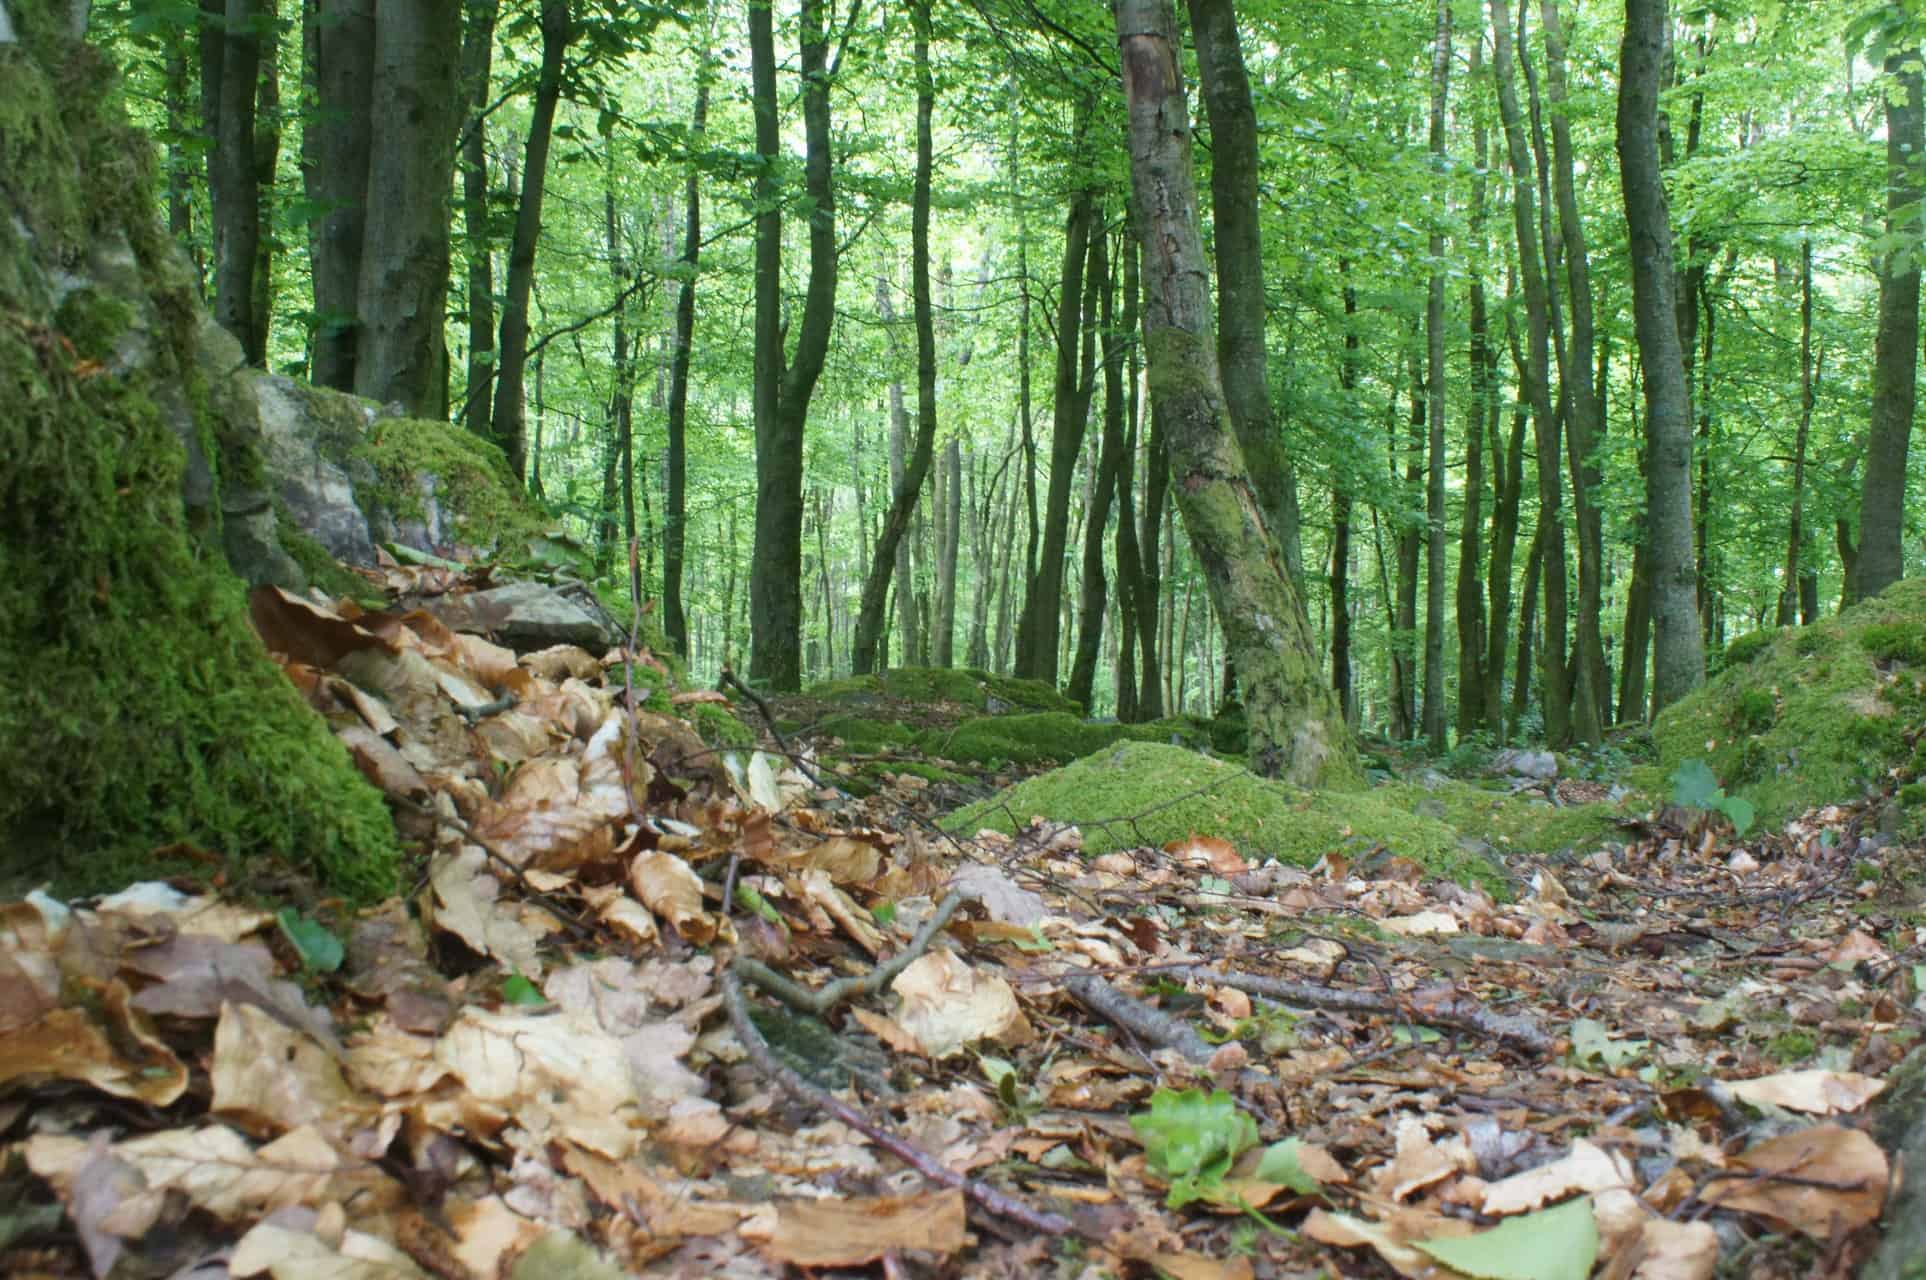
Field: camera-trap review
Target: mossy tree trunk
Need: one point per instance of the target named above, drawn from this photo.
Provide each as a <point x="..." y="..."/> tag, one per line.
<point x="144" y="711"/>
<point x="1297" y="730"/>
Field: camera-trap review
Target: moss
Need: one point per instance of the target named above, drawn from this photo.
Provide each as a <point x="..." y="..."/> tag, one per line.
<point x="1144" y="793"/>
<point x="322" y="570"/>
<point x="1843" y="695"/>
<point x="861" y="733"/>
<point x="718" y="726"/>
<point x="964" y="686"/>
<point x="1747" y="647"/>
<point x="1039" y="738"/>
<point x="471" y="476"/>
<point x="143" y="710"/>
<point x="93" y="322"/>
<point x="1510" y="822"/>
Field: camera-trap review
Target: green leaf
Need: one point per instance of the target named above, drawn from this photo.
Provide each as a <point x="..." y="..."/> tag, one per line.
<point x="1590" y="1042"/>
<point x="1741" y="812"/>
<point x="1559" y="1243"/>
<point x="1694" y="787"/>
<point x="1191" y="1139"/>
<point x="320" y="950"/>
<point x="1280" y="1166"/>
<point x="883" y="913"/>
<point x="519" y="990"/>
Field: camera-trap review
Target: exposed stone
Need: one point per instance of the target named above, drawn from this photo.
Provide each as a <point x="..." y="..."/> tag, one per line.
<point x="527" y="616"/>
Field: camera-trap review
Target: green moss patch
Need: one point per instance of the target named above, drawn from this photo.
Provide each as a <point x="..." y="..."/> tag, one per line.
<point x="1811" y="715"/>
<point x="967" y="687"/>
<point x="1147" y="793"/>
<point x="1512" y="823"/>
<point x="471" y="479"/>
<point x="1047" y="737"/>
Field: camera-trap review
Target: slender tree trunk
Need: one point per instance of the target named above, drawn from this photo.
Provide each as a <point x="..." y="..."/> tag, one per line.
<point x="1404" y="616"/>
<point x="784" y="387"/>
<point x="675" y="499"/>
<point x="1585" y="418"/>
<point x="908" y="465"/>
<point x="1039" y="630"/>
<point x="339" y="44"/>
<point x="1808" y="385"/>
<point x="477" y="59"/>
<point x="1679" y="661"/>
<point x="950" y="497"/>
<point x="1152" y="686"/>
<point x="1241" y="353"/>
<point x="1508" y="466"/>
<point x="1434" y="328"/>
<point x="1132" y="585"/>
<point x="1341" y="509"/>
<point x="510" y="416"/>
<point x="1473" y="711"/>
<point x="180" y="209"/>
<point x="402" y="292"/>
<point x="1527" y="620"/>
<point x="1535" y="375"/>
<point x="1094" y="597"/>
<point x="1297" y="730"/>
<point x="230" y="79"/>
<point x="267" y="160"/>
<point x="1880" y="561"/>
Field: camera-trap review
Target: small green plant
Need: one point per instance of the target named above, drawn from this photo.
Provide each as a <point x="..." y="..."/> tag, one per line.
<point x="1695" y="787"/>
<point x="1789" y="1047"/>
<point x="518" y="990"/>
<point x="320" y="950"/>
<point x="1019" y="1101"/>
<point x="1192" y="1139"/>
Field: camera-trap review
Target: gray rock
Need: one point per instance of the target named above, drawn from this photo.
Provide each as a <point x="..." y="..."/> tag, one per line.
<point x="307" y="436"/>
<point x="527" y="616"/>
<point x="1525" y="764"/>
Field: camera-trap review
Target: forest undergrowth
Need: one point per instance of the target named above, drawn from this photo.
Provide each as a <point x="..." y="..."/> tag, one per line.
<point x="652" y="1007"/>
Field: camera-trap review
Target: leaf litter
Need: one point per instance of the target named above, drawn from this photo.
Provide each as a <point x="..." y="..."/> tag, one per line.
<point x="652" y="1009"/>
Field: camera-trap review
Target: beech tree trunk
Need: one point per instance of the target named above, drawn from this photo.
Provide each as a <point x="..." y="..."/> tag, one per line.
<point x="1473" y="710"/>
<point x="783" y="384"/>
<point x="511" y="417"/>
<point x="1433" y="723"/>
<point x="1808" y="379"/>
<point x="230" y="78"/>
<point x="1297" y="730"/>
<point x="1678" y="652"/>
<point x="339" y="47"/>
<point x="1880" y="562"/>
<point x="1094" y="598"/>
<point x="675" y="615"/>
<point x="477" y="59"/>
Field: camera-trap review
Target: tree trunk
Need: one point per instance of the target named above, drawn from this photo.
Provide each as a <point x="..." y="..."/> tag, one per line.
<point x="1094" y="598"/>
<point x="1473" y="711"/>
<point x="1297" y="731"/>
<point x="1808" y="381"/>
<point x="230" y="79"/>
<point x="1241" y="356"/>
<point x="1403" y="618"/>
<point x="477" y="60"/>
<point x="266" y="159"/>
<point x="950" y="497"/>
<point x="1585" y="418"/>
<point x="402" y="291"/>
<point x="1880" y="561"/>
<point x="1679" y="655"/>
<point x="1341" y="509"/>
<point x="1434" y="327"/>
<point x="510" y="416"/>
<point x="783" y="387"/>
<point x="1534" y="371"/>
<point x="339" y="48"/>
<point x="675" y="499"/>
<point x="1040" y="628"/>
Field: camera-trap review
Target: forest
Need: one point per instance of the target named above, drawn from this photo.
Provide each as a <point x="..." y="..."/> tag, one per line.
<point x="1561" y="345"/>
<point x="961" y="638"/>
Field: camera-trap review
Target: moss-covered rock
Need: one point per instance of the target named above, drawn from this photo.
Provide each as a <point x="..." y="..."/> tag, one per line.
<point x="141" y="710"/>
<point x="1146" y="793"/>
<point x="1511" y="822"/>
<point x="1810" y="715"/>
<point x="1047" y="737"/>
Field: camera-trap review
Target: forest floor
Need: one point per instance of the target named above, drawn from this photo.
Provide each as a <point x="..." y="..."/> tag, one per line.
<point x="647" y="1008"/>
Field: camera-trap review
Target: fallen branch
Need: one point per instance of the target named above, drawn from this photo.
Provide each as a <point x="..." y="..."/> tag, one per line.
<point x="819" y="1001"/>
<point x="1160" y="1029"/>
<point x="796" y="1087"/>
<point x="1514" y="1029"/>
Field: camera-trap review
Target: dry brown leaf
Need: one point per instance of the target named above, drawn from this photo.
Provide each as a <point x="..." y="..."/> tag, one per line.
<point x="468" y="904"/>
<point x="946" y="1004"/>
<point x="1586" y="1168"/>
<point x="110" y="1046"/>
<point x="1817" y="1092"/>
<point x="672" y="889"/>
<point x="268" y="1078"/>
<point x="558" y="1074"/>
<point x="1847" y="1159"/>
<point x="850" y="1233"/>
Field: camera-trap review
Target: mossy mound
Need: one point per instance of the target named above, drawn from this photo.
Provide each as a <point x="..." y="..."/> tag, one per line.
<point x="1049" y="737"/>
<point x="451" y="484"/>
<point x="1810" y="715"/>
<point x="968" y="687"/>
<point x="140" y="710"/>
<point x="1512" y="823"/>
<point x="1146" y="793"/>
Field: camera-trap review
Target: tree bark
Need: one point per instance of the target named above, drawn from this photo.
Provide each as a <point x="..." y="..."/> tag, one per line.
<point x="1297" y="730"/>
<point x="1795" y="522"/>
<point x="1434" y="327"/>
<point x="1880" y="561"/>
<point x="510" y="423"/>
<point x="1404" y="614"/>
<point x="1226" y="91"/>
<point x="675" y="499"/>
<point x="1679" y="655"/>
<point x="477" y="60"/>
<point x="1094" y="600"/>
<point x="1341" y="508"/>
<point x="1473" y="710"/>
<point x="335" y="145"/>
<point x="783" y="387"/>
<point x="402" y="291"/>
<point x="230" y="79"/>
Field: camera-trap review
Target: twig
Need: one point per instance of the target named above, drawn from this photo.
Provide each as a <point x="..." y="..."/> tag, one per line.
<point x="802" y="1090"/>
<point x="820" y="1001"/>
<point x="1515" y="1029"/>
<point x="476" y="714"/>
<point x="1139" y="1019"/>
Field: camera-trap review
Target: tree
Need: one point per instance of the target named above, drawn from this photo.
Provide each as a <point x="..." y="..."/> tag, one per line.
<point x="783" y="383"/>
<point x="1678" y="649"/>
<point x="675" y="617"/>
<point x="477" y="59"/>
<point x="1434" y="381"/>
<point x="510" y="419"/>
<point x="1879" y="562"/>
<point x="884" y="564"/>
<point x="1297" y="730"/>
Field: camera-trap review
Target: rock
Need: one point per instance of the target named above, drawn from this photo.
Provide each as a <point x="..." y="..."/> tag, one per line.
<point x="308" y="436"/>
<point x="527" y="616"/>
<point x="1525" y="764"/>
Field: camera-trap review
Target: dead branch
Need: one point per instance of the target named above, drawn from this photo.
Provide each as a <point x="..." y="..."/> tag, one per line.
<point x="1160" y="1029"/>
<point x="819" y="1001"/>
